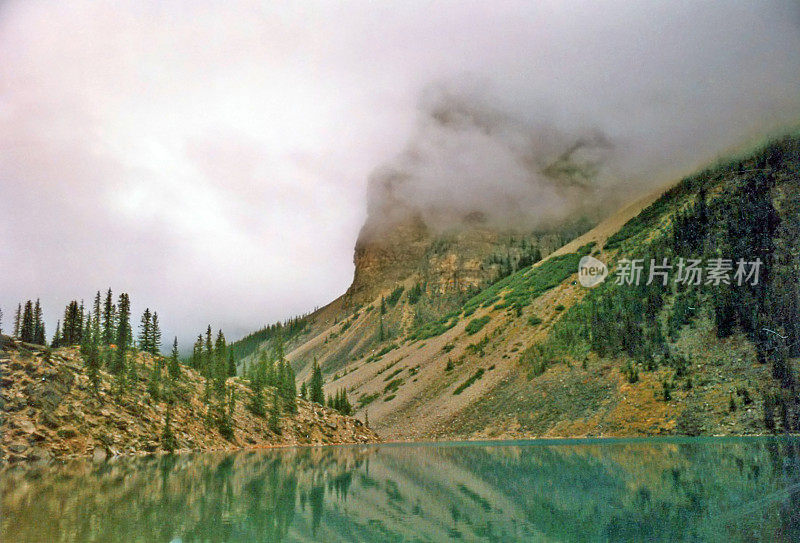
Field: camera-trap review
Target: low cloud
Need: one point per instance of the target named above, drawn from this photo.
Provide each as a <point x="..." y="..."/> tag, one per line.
<point x="212" y="158"/>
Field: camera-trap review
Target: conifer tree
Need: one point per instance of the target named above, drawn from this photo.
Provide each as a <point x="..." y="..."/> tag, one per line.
<point x="279" y="349"/>
<point x="343" y="403"/>
<point x="257" y="383"/>
<point x="28" y="328"/>
<point x="225" y="416"/>
<point x="155" y="341"/>
<point x="56" y="342"/>
<point x="221" y="346"/>
<point x="96" y="331"/>
<point x="70" y="325"/>
<point x="271" y="371"/>
<point x="220" y="358"/>
<point x="231" y="364"/>
<point x="1" y="320"/>
<point x="196" y="360"/>
<point x="109" y="324"/>
<point x="174" y="367"/>
<point x="208" y="355"/>
<point x="86" y="338"/>
<point x="303" y="390"/>
<point x="168" y="437"/>
<point x="79" y="324"/>
<point x="315" y="386"/>
<point x="39" y="332"/>
<point x="145" y="330"/>
<point x="275" y="414"/>
<point x="123" y="337"/>
<point x="87" y="328"/>
<point x="18" y="320"/>
<point x="97" y="309"/>
<point x="286" y="386"/>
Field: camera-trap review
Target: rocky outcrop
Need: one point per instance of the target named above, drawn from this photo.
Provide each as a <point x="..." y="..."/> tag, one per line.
<point x="468" y="257"/>
<point x="50" y="411"/>
<point x="386" y="254"/>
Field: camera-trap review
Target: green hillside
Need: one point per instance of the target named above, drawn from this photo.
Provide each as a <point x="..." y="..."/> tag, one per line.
<point x="535" y="353"/>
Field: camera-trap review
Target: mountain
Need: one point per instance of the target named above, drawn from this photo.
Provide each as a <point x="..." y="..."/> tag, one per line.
<point x="50" y="411"/>
<point x="432" y="340"/>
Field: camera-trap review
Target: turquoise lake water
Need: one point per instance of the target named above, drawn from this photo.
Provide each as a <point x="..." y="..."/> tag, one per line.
<point x="704" y="489"/>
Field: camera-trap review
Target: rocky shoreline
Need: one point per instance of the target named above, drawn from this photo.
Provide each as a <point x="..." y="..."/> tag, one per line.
<point x="50" y="412"/>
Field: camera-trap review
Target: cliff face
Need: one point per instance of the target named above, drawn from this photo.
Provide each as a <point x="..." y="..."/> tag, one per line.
<point x="385" y="255"/>
<point x="465" y="257"/>
<point x="49" y="411"/>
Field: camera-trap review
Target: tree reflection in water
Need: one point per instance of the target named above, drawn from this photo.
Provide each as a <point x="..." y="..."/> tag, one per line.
<point x="702" y="489"/>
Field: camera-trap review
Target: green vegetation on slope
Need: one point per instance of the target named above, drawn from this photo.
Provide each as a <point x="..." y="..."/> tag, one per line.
<point x="251" y="343"/>
<point x="752" y="213"/>
<point x="476" y="325"/>
<point x="469" y="382"/>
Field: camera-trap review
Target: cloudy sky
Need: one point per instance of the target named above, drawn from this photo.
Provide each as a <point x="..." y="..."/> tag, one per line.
<point x="212" y="158"/>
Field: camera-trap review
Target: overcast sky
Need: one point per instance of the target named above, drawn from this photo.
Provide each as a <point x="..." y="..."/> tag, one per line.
<point x="211" y="158"/>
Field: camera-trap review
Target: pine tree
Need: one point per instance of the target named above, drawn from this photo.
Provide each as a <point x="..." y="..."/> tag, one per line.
<point x="208" y="355"/>
<point x="231" y="364"/>
<point x="275" y="414"/>
<point x="71" y="325"/>
<point x="220" y="358"/>
<point x="39" y="335"/>
<point x="96" y="309"/>
<point x="79" y="324"/>
<point x="86" y="337"/>
<point x="1" y="320"/>
<point x="271" y="378"/>
<point x="225" y="416"/>
<point x="56" y="336"/>
<point x="155" y="342"/>
<point x="18" y="320"/>
<point x="257" y="383"/>
<point x="109" y="324"/>
<point x="303" y="390"/>
<point x="286" y="386"/>
<point x="145" y="330"/>
<point x="195" y="360"/>
<point x="345" y="408"/>
<point x="174" y="367"/>
<point x="221" y="346"/>
<point x="168" y="437"/>
<point x="123" y="338"/>
<point x="315" y="392"/>
<point x="28" y="328"/>
<point x="279" y="349"/>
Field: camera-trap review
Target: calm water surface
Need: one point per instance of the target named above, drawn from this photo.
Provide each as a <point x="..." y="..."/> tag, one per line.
<point x="587" y="490"/>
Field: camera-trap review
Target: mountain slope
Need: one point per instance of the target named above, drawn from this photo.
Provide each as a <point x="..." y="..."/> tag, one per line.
<point x="537" y="354"/>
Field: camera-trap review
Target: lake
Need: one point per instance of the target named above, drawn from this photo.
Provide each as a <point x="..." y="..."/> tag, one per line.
<point x="701" y="489"/>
